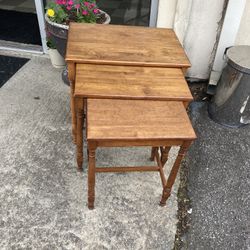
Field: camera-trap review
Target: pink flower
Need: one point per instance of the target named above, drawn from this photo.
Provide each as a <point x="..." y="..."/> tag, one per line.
<point x="91" y="5"/>
<point x="63" y="1"/>
<point x="59" y="2"/>
<point x="70" y="2"/>
<point x="86" y="3"/>
<point x="96" y="11"/>
<point x="68" y="7"/>
<point x="77" y="6"/>
<point x="85" y="12"/>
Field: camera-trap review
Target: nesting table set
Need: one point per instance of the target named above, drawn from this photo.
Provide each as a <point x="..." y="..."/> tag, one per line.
<point x="129" y="82"/>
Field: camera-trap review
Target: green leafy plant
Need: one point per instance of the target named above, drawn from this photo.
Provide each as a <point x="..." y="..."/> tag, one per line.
<point x="50" y="44"/>
<point x="65" y="11"/>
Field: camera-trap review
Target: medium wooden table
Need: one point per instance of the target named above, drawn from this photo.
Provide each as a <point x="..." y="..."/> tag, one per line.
<point x="131" y="82"/>
<point x="126" y="82"/>
<point x="130" y="123"/>
<point x="121" y="45"/>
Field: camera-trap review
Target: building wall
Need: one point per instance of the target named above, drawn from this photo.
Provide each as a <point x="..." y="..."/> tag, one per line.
<point x="197" y="24"/>
<point x="243" y="36"/>
<point x="166" y="13"/>
<point x="182" y="18"/>
<point x="227" y="36"/>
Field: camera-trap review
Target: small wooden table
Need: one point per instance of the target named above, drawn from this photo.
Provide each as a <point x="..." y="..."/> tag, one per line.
<point x="126" y="82"/>
<point x="121" y="45"/>
<point x="124" y="123"/>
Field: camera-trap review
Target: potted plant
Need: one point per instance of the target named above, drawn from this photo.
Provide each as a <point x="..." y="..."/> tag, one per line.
<point x="61" y="12"/>
<point x="56" y="59"/>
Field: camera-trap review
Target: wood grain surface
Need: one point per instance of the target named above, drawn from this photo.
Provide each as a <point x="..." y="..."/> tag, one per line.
<point x="126" y="82"/>
<point x="137" y="120"/>
<point x="124" y="45"/>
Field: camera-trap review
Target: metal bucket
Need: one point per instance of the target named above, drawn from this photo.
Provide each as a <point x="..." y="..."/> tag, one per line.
<point x="230" y="106"/>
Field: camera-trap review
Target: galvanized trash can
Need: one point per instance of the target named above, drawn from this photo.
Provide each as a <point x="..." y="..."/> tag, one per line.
<point x="230" y="106"/>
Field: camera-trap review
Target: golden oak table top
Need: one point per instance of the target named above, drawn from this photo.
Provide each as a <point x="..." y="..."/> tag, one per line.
<point x="124" y="45"/>
<point x="130" y="82"/>
<point x="109" y="119"/>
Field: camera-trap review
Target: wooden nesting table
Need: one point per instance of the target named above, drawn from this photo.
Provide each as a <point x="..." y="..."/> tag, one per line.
<point x="132" y="80"/>
<point x="121" y="45"/>
<point x="133" y="123"/>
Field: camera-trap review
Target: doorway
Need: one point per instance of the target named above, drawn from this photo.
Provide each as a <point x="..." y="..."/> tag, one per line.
<point x="19" y="22"/>
<point x="23" y="26"/>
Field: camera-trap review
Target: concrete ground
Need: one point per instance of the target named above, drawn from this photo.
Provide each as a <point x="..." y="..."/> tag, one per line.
<point x="43" y="196"/>
<point x="218" y="185"/>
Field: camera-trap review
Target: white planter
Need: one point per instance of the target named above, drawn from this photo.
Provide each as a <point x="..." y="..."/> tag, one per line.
<point x="56" y="59"/>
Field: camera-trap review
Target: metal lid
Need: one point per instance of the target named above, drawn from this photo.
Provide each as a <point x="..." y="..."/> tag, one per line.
<point x="239" y="58"/>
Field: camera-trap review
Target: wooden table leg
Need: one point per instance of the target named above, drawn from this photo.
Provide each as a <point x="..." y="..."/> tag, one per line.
<point x="153" y="152"/>
<point x="161" y="171"/>
<point x="79" y="131"/>
<point x="171" y="179"/>
<point x="71" y="76"/>
<point x="73" y="113"/>
<point x="164" y="154"/>
<point x="91" y="177"/>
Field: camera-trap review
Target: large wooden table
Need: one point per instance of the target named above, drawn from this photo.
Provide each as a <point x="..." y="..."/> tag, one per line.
<point x="121" y="45"/>
<point x="124" y="45"/>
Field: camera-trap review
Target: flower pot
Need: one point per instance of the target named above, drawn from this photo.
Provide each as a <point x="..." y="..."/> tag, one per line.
<point x="56" y="59"/>
<point x="59" y="36"/>
<point x="59" y="32"/>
